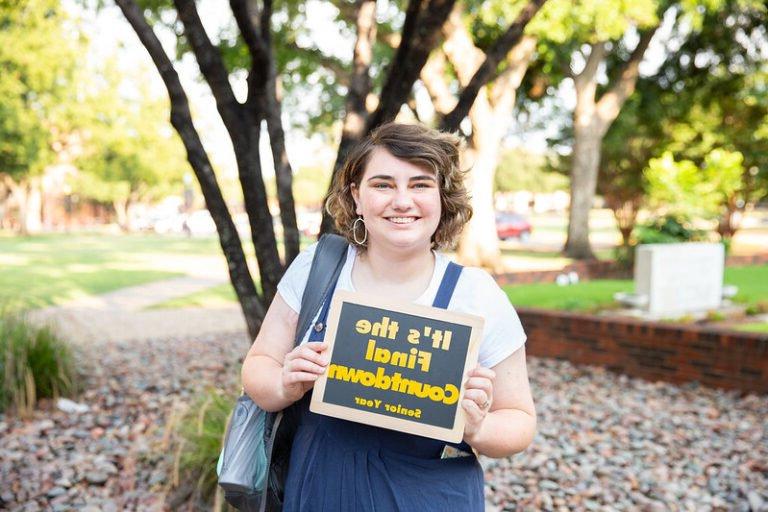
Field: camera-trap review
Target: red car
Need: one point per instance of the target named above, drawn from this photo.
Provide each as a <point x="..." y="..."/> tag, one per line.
<point x="512" y="225"/>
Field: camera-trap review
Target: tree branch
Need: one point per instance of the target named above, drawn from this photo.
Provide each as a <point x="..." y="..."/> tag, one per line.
<point x="487" y="70"/>
<point x="460" y="49"/>
<point x="420" y="35"/>
<point x="432" y="76"/>
<point x="609" y="105"/>
<point x="362" y="56"/>
<point x="587" y="74"/>
<point x="283" y="170"/>
<point x="356" y="113"/>
<point x="212" y="67"/>
<point x="247" y="19"/>
<point x="264" y="103"/>
<point x="518" y="60"/>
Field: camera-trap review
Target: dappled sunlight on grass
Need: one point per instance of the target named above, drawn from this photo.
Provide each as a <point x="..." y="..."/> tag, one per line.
<point x="53" y="269"/>
<point x="217" y="296"/>
<point x="13" y="259"/>
<point x="39" y="287"/>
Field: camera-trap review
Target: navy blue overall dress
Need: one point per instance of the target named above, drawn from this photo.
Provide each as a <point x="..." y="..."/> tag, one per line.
<point x="342" y="466"/>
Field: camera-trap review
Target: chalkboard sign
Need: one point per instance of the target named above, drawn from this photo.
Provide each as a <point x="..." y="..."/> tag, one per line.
<point x="397" y="366"/>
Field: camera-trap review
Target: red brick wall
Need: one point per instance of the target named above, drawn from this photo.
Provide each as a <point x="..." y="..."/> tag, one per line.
<point x="752" y="259"/>
<point x="653" y="351"/>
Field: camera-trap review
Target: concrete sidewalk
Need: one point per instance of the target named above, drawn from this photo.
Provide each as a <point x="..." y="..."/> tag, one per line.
<point x="121" y="315"/>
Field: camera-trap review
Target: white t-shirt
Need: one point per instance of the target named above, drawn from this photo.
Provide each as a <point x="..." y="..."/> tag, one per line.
<point x="476" y="293"/>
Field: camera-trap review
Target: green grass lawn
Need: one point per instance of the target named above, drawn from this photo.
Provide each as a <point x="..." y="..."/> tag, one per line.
<point x="51" y="269"/>
<point x="752" y="282"/>
<point x="753" y="327"/>
<point x="590" y="295"/>
<point x="584" y="296"/>
<point x="222" y="295"/>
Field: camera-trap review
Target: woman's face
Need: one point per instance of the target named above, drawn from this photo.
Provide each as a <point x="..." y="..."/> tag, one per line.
<point x="399" y="202"/>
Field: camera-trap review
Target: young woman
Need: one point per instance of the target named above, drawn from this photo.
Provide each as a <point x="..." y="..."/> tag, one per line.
<point x="399" y="199"/>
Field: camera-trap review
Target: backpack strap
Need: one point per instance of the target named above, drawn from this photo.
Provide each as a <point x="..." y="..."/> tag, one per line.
<point x="329" y="258"/>
<point x="326" y="266"/>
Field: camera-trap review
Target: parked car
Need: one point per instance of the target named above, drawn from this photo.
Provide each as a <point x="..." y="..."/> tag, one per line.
<point x="512" y="225"/>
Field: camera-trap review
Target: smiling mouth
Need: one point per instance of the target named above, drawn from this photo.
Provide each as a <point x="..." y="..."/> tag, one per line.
<point x="402" y="220"/>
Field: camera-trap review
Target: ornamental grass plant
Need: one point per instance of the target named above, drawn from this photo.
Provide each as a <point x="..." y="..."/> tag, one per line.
<point x="196" y="435"/>
<point x="34" y="364"/>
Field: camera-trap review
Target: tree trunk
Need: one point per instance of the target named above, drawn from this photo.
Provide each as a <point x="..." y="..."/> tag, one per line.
<point x="479" y="243"/>
<point x="356" y="114"/>
<point x="121" y="212"/>
<point x="490" y="115"/>
<point x="728" y="224"/>
<point x="29" y="199"/>
<point x="591" y="119"/>
<point x="243" y="124"/>
<point x="625" y="213"/>
<point x="586" y="161"/>
<point x="283" y="170"/>
<point x="181" y="119"/>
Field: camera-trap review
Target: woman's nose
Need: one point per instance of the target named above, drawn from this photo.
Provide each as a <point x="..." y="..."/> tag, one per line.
<point x="402" y="199"/>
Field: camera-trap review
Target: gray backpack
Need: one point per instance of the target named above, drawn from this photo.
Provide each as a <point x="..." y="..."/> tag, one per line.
<point x="253" y="463"/>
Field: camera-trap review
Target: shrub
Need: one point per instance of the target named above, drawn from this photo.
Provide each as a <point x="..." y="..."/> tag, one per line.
<point x="197" y="435"/>
<point x="758" y="308"/>
<point x="34" y="364"/>
<point x="668" y="229"/>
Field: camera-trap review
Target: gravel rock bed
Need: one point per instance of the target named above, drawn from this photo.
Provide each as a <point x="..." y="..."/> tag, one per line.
<point x="605" y="441"/>
<point x="110" y="458"/>
<point x="610" y="442"/>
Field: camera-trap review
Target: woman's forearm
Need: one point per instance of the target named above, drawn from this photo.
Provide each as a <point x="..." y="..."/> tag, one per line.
<point x="262" y="381"/>
<point x="504" y="432"/>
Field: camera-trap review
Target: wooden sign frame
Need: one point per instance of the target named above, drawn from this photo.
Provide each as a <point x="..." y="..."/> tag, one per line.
<point x="453" y="433"/>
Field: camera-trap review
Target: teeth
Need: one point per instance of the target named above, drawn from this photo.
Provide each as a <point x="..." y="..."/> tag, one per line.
<point x="402" y="220"/>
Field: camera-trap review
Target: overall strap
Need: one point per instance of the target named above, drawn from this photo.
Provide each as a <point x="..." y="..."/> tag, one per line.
<point x="447" y="285"/>
<point x="442" y="299"/>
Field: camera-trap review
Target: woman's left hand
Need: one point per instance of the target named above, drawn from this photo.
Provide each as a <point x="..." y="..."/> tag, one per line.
<point x="478" y="396"/>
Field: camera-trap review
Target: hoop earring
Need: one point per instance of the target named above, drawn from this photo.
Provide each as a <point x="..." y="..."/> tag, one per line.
<point x="354" y="231"/>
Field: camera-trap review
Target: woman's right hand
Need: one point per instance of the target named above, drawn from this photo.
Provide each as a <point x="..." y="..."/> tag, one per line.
<point x="301" y="368"/>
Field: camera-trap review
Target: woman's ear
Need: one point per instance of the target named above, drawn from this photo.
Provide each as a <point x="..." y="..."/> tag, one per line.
<point x="356" y="197"/>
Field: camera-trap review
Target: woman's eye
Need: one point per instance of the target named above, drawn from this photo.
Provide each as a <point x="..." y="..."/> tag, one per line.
<point x="381" y="185"/>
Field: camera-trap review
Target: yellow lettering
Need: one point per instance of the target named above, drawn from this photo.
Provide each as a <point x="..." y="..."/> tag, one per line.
<point x="382" y="355"/>
<point x="447" y="340"/>
<point x="363" y="326"/>
<point x="412" y="358"/>
<point x="448" y="394"/>
<point x="399" y="359"/>
<point x="424" y="360"/>
<point x="451" y="394"/>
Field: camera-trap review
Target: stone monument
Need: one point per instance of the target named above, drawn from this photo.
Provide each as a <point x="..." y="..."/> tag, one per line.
<point x="677" y="279"/>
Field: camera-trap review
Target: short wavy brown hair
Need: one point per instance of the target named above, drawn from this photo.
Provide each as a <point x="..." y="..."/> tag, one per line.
<point x="416" y="144"/>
